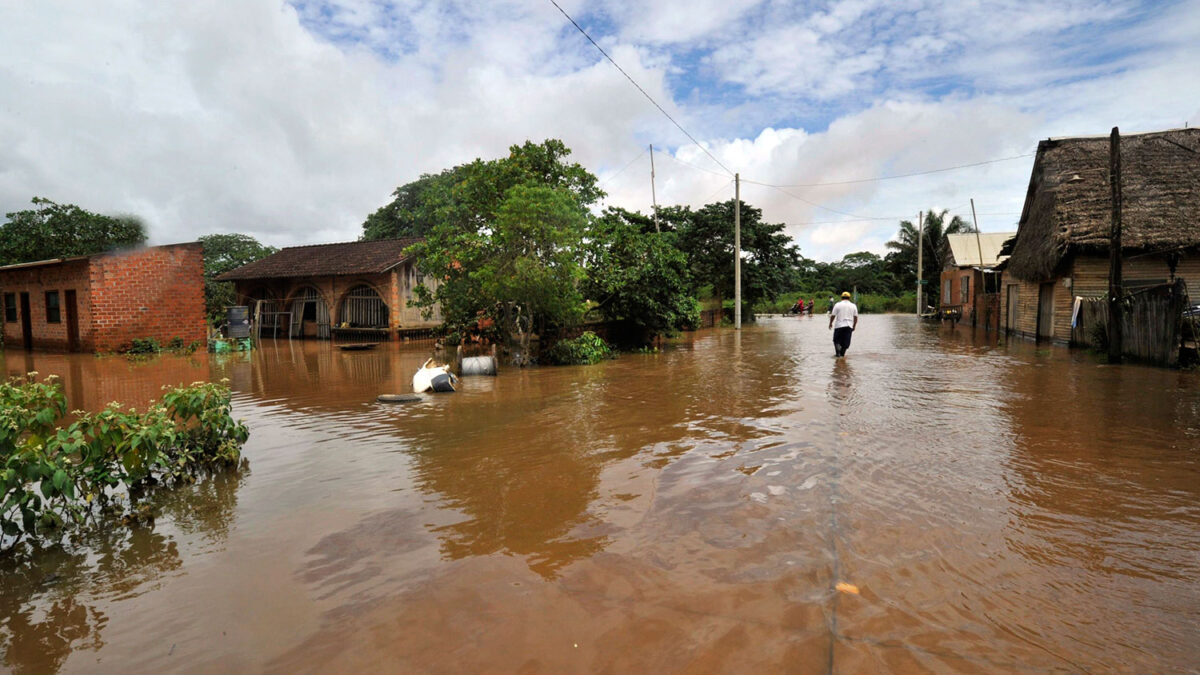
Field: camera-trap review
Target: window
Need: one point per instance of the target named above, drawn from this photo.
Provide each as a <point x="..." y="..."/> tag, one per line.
<point x="945" y="291"/>
<point x="966" y="289"/>
<point x="10" y="307"/>
<point x="52" y="311"/>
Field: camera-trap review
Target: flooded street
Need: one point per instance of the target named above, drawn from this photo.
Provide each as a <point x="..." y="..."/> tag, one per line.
<point x="990" y="508"/>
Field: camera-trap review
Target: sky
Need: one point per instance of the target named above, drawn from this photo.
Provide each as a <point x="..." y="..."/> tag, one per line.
<point x="291" y="121"/>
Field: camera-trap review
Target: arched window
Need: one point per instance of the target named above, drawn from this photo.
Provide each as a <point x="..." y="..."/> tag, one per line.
<point x="363" y="308"/>
<point x="309" y="307"/>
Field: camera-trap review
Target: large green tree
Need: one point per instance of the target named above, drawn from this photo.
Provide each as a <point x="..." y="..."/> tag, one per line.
<point x="53" y="230"/>
<point x="222" y="253"/>
<point x="506" y="242"/>
<point x="769" y="258"/>
<point x="636" y="274"/>
<point x="902" y="260"/>
<point x="468" y="196"/>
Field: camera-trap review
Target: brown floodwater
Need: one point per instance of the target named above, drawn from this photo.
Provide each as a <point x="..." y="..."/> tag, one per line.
<point x="986" y="508"/>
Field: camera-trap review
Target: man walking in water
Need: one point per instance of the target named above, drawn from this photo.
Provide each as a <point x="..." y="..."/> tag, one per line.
<point x="843" y="319"/>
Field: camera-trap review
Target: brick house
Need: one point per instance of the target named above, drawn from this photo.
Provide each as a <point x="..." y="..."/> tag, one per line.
<point x="102" y="302"/>
<point x="970" y="283"/>
<point x="360" y="289"/>
<point x="1060" y="251"/>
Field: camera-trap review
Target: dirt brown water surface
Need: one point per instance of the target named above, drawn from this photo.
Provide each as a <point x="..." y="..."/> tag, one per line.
<point x="985" y="509"/>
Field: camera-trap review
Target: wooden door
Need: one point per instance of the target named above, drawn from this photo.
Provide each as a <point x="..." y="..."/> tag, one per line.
<point x="1045" y="322"/>
<point x="72" y="322"/>
<point x="26" y="323"/>
<point x="1011" y="318"/>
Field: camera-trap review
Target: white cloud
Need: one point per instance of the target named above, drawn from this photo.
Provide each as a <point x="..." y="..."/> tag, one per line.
<point x="292" y="123"/>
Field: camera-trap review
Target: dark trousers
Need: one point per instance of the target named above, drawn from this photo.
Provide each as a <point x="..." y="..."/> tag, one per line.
<point x="841" y="339"/>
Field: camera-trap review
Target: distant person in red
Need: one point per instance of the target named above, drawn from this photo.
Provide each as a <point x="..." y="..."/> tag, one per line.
<point x="798" y="307"/>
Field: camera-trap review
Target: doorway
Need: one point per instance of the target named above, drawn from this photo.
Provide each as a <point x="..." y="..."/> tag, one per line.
<point x="1014" y="297"/>
<point x="26" y="323"/>
<point x="72" y="322"/>
<point x="1045" y="322"/>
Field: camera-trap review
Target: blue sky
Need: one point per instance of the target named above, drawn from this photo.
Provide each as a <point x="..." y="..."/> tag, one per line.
<point x="291" y="121"/>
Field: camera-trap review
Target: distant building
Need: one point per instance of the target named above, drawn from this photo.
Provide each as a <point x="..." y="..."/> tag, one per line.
<point x="1061" y="249"/>
<point x="102" y="302"/>
<point x="970" y="284"/>
<point x="352" y="290"/>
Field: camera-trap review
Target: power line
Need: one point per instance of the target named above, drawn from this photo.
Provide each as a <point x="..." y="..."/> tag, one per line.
<point x="643" y="152"/>
<point x="639" y="88"/>
<point x="902" y="175"/>
<point x="693" y="166"/>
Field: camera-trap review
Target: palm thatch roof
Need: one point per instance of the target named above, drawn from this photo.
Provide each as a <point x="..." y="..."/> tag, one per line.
<point x="1068" y="207"/>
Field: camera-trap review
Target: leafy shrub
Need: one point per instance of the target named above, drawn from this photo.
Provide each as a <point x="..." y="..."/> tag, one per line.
<point x="52" y="477"/>
<point x="143" y="346"/>
<point x="584" y="350"/>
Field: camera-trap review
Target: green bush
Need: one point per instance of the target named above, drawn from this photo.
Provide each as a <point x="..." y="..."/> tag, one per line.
<point x="584" y="350"/>
<point x="143" y="346"/>
<point x="52" y="477"/>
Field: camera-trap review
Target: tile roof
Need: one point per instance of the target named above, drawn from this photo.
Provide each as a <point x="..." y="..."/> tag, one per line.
<point x="325" y="260"/>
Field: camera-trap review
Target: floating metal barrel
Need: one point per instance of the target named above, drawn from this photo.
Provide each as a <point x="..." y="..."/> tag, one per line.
<point x="478" y="365"/>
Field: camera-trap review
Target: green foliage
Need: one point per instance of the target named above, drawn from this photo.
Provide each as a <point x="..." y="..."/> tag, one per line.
<point x="636" y="274"/>
<point x="584" y="350"/>
<point x="143" y="346"/>
<point x="54" y="230"/>
<point x="223" y="253"/>
<point x="902" y="261"/>
<point x="52" y="477"/>
<point x="769" y="258"/>
<point x="507" y="241"/>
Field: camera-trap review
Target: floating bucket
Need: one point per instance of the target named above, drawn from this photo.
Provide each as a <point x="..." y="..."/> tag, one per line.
<point x="478" y="365"/>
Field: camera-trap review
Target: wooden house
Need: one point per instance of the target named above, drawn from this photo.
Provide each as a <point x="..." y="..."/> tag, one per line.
<point x="1061" y="249"/>
<point x="361" y="290"/>
<point x="970" y="283"/>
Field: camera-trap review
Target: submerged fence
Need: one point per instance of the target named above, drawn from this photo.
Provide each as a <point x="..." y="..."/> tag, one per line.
<point x="1150" y="324"/>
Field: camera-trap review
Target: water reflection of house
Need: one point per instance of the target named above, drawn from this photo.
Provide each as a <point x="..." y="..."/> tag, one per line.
<point x="1061" y="249"/>
<point x="970" y="281"/>
<point x="354" y="289"/>
<point x="102" y="302"/>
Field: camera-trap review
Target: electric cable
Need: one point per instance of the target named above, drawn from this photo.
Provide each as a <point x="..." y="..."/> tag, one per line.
<point x="639" y="88"/>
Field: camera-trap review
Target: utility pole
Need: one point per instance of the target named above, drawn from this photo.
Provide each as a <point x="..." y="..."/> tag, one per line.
<point x="653" y="197"/>
<point x="982" y="273"/>
<point x="737" y="251"/>
<point x="920" y="266"/>
<point x="1114" y="250"/>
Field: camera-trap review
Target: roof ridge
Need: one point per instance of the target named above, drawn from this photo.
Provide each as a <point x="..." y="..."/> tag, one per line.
<point x="345" y="243"/>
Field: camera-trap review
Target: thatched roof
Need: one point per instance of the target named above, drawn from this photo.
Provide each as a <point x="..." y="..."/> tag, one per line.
<point x="325" y="260"/>
<point x="1068" y="207"/>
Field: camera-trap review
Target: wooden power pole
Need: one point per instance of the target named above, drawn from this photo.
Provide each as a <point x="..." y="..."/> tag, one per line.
<point x="737" y="251"/>
<point x="1115" y="337"/>
<point x="920" y="266"/>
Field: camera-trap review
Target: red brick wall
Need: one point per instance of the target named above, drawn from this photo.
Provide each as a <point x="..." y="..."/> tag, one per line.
<point x="155" y="292"/>
<point x="36" y="281"/>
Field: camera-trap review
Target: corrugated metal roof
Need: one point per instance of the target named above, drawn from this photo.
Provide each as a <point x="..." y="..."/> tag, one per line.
<point x="966" y="249"/>
<point x="325" y="260"/>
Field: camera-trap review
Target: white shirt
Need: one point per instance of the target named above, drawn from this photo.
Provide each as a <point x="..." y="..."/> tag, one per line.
<point x="844" y="314"/>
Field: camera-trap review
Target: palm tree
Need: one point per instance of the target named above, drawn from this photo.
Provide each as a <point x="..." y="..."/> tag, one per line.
<point x="902" y="261"/>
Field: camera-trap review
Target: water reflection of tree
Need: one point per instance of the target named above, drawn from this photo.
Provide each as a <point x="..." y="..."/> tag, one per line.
<point x="44" y="613"/>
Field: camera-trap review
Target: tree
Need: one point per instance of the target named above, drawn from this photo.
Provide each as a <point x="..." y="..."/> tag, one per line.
<point x="222" y="253"/>
<point x="468" y="196"/>
<point x="902" y="261"/>
<point x="769" y="259"/>
<point x="507" y="240"/>
<point x="64" y="230"/>
<point x="637" y="274"/>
